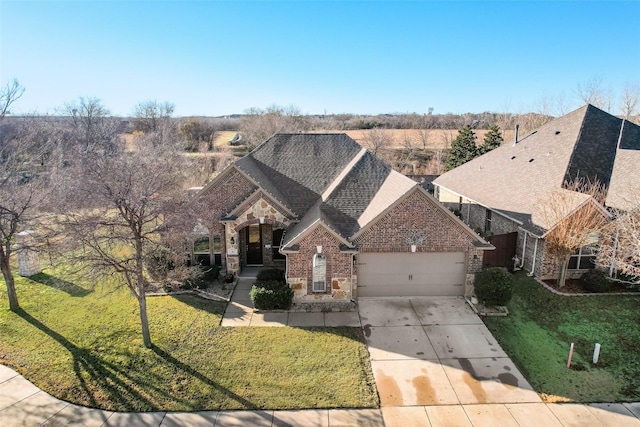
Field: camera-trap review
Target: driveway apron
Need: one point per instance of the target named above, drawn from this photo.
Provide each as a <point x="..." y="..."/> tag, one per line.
<point x="437" y="351"/>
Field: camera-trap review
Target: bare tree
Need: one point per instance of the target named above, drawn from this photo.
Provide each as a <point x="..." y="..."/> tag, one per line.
<point x="23" y="192"/>
<point x="619" y="249"/>
<point x="378" y="141"/>
<point x="124" y="202"/>
<point x="574" y="220"/>
<point x="9" y="94"/>
<point x="630" y="102"/>
<point x="258" y="125"/>
<point x="593" y="92"/>
<point x="151" y="116"/>
<point x="91" y="125"/>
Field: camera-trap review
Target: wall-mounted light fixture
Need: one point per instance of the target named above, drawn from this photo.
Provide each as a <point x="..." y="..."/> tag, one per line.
<point x="233" y="241"/>
<point x="415" y="237"/>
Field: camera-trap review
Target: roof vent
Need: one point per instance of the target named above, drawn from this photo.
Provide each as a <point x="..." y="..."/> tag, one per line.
<point x="513" y="157"/>
<point x="557" y="132"/>
<point x="531" y="160"/>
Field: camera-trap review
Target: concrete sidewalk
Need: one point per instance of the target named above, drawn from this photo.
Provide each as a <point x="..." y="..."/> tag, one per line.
<point x="23" y="404"/>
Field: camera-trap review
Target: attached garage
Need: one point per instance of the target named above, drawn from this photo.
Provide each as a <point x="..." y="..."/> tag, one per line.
<point x="384" y="274"/>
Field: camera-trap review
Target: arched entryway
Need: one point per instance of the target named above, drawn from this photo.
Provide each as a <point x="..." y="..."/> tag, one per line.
<point x="260" y="244"/>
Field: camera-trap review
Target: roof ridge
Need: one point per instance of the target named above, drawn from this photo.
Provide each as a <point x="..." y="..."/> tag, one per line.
<point x="341" y="176"/>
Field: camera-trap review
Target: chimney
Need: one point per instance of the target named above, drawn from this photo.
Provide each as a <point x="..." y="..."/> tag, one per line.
<point x="515" y="141"/>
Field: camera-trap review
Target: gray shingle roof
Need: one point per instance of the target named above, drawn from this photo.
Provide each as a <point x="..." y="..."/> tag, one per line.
<point x="323" y="177"/>
<point x="516" y="179"/>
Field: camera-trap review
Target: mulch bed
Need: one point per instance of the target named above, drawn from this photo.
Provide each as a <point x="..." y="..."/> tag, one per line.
<point x="573" y="286"/>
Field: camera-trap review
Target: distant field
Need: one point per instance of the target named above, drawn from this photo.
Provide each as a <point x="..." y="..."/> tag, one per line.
<point x="435" y="138"/>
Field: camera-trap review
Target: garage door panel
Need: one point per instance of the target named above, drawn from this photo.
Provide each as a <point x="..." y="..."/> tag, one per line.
<point x="411" y="274"/>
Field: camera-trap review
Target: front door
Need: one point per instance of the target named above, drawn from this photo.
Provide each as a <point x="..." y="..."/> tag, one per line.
<point x="254" y="244"/>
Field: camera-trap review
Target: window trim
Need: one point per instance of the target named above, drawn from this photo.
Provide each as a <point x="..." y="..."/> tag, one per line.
<point x="318" y="271"/>
<point x="579" y="256"/>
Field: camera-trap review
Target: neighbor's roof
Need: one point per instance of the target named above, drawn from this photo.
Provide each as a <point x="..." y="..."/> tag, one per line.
<point x="516" y="179"/>
<point x="324" y="177"/>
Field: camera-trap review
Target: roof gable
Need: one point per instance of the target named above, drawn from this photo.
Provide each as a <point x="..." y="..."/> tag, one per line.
<point x="516" y="179"/>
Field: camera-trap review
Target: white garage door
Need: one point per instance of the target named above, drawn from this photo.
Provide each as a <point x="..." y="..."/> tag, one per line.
<point x="411" y="274"/>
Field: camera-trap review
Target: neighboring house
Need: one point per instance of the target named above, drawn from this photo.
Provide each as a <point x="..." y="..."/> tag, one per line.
<point x="503" y="193"/>
<point x="338" y="220"/>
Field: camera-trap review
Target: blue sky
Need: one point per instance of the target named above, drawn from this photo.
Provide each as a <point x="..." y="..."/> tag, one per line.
<point x="366" y="57"/>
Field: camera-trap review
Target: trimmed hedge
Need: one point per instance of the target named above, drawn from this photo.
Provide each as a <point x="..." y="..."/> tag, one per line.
<point x="271" y="295"/>
<point x="271" y="274"/>
<point x="595" y="281"/>
<point x="494" y="286"/>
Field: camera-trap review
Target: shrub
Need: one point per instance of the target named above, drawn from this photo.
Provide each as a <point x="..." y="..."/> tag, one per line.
<point x="271" y="295"/>
<point x="271" y="274"/>
<point x="211" y="273"/>
<point x="160" y="263"/>
<point x="595" y="281"/>
<point x="494" y="286"/>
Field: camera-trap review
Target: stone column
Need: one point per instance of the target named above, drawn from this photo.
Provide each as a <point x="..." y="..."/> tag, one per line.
<point x="28" y="258"/>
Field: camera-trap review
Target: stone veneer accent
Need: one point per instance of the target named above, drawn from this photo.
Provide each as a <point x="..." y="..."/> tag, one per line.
<point x="259" y="209"/>
<point x="339" y="268"/>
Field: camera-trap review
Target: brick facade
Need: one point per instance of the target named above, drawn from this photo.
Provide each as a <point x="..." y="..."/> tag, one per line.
<point x="338" y="273"/>
<point x="420" y="211"/>
<point x="223" y="195"/>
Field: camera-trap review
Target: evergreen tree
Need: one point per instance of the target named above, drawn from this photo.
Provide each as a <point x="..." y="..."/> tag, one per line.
<point x="463" y="148"/>
<point x="492" y="139"/>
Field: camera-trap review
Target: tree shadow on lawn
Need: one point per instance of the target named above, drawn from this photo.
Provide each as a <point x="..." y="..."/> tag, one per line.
<point x="61" y="284"/>
<point x="192" y="372"/>
<point x="204" y="304"/>
<point x="117" y="383"/>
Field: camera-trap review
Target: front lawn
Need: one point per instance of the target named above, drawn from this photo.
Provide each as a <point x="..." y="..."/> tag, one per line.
<point x="537" y="336"/>
<point x="83" y="345"/>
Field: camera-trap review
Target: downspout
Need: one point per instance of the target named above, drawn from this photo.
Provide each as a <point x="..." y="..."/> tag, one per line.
<point x="535" y="252"/>
<point x="353" y="259"/>
<point x="613" y="255"/>
<point x="524" y="249"/>
<point x="468" y="211"/>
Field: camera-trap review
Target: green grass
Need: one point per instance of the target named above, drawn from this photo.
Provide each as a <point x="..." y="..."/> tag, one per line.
<point x="83" y="344"/>
<point x="537" y="336"/>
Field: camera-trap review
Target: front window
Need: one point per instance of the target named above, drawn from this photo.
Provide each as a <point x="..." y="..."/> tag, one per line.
<point x="217" y="250"/>
<point x="201" y="252"/>
<point x="319" y="273"/>
<point x="583" y="259"/>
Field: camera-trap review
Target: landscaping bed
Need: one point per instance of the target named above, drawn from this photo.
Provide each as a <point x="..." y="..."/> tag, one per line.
<point x="83" y="344"/>
<point x="541" y="326"/>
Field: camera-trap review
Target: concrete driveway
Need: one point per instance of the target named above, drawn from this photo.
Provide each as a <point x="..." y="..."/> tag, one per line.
<point x="437" y="351"/>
